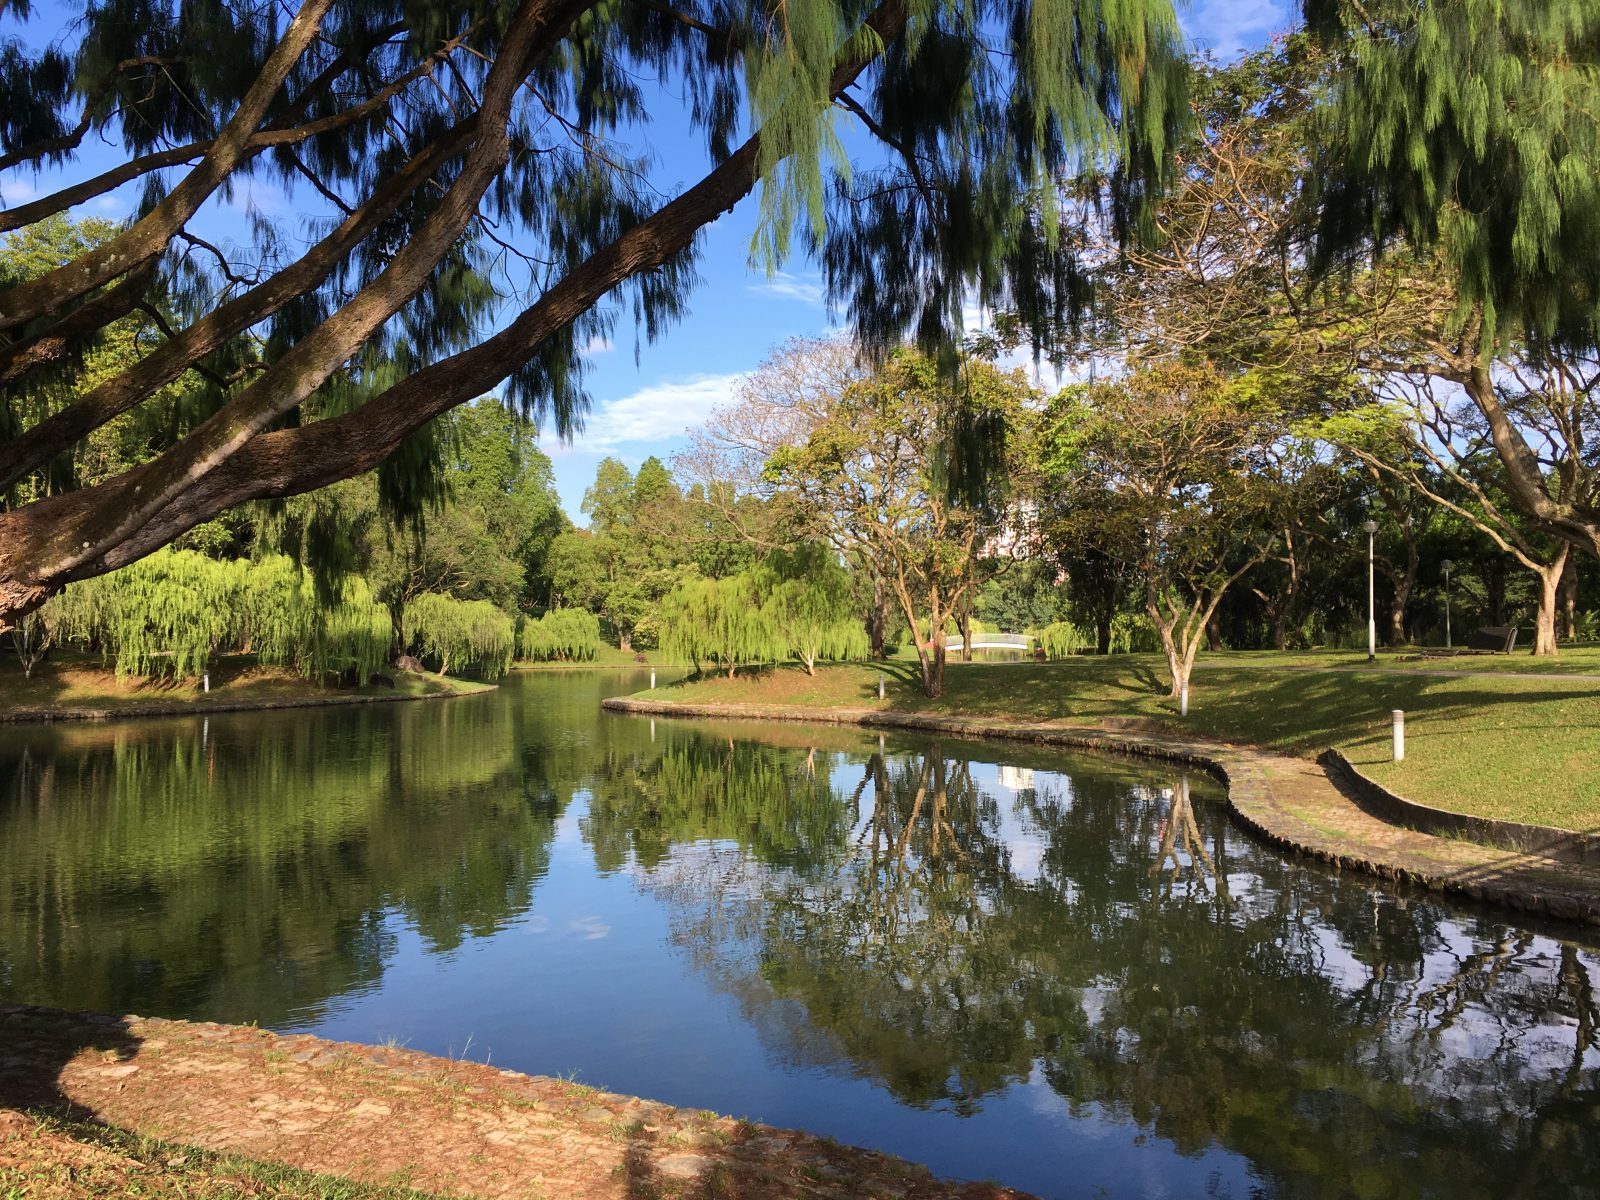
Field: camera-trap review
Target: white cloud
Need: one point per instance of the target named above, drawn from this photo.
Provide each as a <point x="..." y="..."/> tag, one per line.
<point x="598" y="344"/>
<point x="590" y="929"/>
<point x="807" y="290"/>
<point x="655" y="413"/>
<point x="17" y="191"/>
<point x="1230" y="27"/>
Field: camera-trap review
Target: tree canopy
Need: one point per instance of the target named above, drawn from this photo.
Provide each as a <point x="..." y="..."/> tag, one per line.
<point x="481" y="205"/>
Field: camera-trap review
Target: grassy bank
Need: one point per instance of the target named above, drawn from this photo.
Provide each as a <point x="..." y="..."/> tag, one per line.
<point x="607" y="656"/>
<point x="68" y="686"/>
<point x="54" y="1158"/>
<point x="1481" y="743"/>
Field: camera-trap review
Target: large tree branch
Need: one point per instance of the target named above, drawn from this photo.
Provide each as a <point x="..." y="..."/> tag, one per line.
<point x="148" y="237"/>
<point x="288" y="462"/>
<point x="37" y="445"/>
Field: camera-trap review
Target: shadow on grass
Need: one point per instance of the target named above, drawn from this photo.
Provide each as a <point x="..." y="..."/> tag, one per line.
<point x="40" y="1042"/>
<point x="758" y="1163"/>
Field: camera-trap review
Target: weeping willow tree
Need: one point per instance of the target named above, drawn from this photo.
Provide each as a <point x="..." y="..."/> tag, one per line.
<point x="459" y="633"/>
<point x="810" y="601"/>
<point x="165" y="615"/>
<point x="562" y="634"/>
<point x="1063" y="639"/>
<point x="169" y="614"/>
<point x="720" y="622"/>
<point x="286" y="621"/>
<point x="472" y="164"/>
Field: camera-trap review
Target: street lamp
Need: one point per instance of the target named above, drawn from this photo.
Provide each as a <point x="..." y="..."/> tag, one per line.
<point x="1372" y="608"/>
<point x="1448" y="567"/>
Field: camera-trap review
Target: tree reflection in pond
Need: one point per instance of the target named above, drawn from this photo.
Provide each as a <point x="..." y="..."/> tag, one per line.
<point x="243" y="868"/>
<point x="1067" y="972"/>
<point x="1124" y="942"/>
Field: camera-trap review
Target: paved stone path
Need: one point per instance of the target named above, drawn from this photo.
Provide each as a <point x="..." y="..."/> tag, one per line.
<point x="382" y="1115"/>
<point x="1289" y="802"/>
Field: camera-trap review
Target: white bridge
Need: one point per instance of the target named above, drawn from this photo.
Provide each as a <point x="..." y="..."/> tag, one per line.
<point x="993" y="641"/>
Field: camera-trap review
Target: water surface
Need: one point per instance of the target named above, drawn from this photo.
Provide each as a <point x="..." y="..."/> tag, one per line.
<point x="1066" y="972"/>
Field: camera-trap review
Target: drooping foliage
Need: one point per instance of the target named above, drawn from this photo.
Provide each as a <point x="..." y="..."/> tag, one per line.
<point x="809" y="598"/>
<point x="170" y="613"/>
<point x="562" y="634"/>
<point x="1473" y="126"/>
<point x="463" y="634"/>
<point x="1063" y="639"/>
<point x="720" y="622"/>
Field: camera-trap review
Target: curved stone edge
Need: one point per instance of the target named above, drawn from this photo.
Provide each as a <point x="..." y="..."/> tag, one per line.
<point x="1247" y="773"/>
<point x="1564" y="845"/>
<point x="49" y="716"/>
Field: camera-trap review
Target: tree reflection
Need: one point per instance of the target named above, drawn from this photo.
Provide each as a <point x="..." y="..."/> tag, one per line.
<point x="1146" y="961"/>
<point x="242" y="869"/>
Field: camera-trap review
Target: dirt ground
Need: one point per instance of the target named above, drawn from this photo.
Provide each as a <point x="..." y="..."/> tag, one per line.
<point x="379" y="1116"/>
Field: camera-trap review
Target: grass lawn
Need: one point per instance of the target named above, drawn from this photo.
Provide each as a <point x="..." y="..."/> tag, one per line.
<point x="82" y="682"/>
<point x="1516" y="749"/>
<point x="63" y="1159"/>
<point x="608" y="656"/>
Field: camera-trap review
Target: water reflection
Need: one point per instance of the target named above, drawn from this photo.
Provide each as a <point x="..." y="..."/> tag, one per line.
<point x="244" y="868"/>
<point x="1122" y="940"/>
<point x="1048" y="951"/>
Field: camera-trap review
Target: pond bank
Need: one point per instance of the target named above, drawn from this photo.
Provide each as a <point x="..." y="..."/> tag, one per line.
<point x="249" y="697"/>
<point x="384" y="1115"/>
<point x="1290" y="802"/>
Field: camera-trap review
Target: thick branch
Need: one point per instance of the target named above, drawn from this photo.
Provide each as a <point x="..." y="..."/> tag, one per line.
<point x="147" y="238"/>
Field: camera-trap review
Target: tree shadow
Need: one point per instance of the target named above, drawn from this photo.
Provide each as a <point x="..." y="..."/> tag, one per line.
<point x="36" y="1044"/>
<point x="757" y="1162"/>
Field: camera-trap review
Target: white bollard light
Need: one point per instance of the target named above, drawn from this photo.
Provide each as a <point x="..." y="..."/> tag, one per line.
<point x="652" y="681"/>
<point x="205" y="681"/>
<point x="1183" y="699"/>
<point x="1399" y="735"/>
<point x="880" y="685"/>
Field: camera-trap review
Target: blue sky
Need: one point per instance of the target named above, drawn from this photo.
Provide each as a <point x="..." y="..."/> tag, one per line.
<point x="644" y="396"/>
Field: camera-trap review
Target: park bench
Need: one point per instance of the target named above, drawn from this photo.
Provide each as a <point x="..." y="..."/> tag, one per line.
<point x="1496" y="639"/>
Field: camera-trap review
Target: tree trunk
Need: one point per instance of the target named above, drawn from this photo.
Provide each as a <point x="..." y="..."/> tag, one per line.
<point x="965" y="625"/>
<point x="1494" y="587"/>
<point x="1544" y="633"/>
<point x="624" y="642"/>
<point x="1569" y="599"/>
<point x="1102" y="633"/>
<point x="934" y="682"/>
<point x="878" y="620"/>
<point x="1213" y="637"/>
<point x="1280" y="630"/>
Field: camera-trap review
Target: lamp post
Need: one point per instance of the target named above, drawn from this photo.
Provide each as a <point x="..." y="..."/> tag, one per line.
<point x="1448" y="567"/>
<point x="1372" y="608"/>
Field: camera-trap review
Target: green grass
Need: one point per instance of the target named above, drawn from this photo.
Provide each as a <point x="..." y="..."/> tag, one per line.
<point x="71" y="682"/>
<point x="83" y="1158"/>
<point x="1480" y="743"/>
<point x="608" y="656"/>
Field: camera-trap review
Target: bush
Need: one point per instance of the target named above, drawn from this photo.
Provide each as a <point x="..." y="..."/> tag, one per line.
<point x="1132" y="633"/>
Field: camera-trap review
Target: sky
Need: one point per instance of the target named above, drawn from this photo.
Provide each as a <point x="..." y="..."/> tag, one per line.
<point x="646" y="396"/>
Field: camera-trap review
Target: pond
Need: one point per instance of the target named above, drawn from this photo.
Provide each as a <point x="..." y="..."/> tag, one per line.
<point x="1064" y="972"/>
